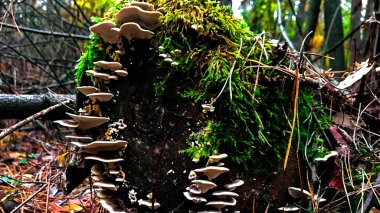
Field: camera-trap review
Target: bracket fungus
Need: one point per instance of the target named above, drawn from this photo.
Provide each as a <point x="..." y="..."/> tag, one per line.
<point x="80" y="138"/>
<point x="109" y="65"/>
<point x="297" y="193"/>
<point x="224" y="194"/>
<point x="103" y="29"/>
<point x="212" y="171"/>
<point x="219" y="204"/>
<point x="87" y="122"/>
<point x="122" y="73"/>
<point x="143" y="5"/>
<point x="203" y="185"/>
<point x="97" y="146"/>
<point x="101" y="96"/>
<point x="104" y="160"/>
<point x="195" y="198"/>
<point x="147" y="19"/>
<point x="132" y="31"/>
<point x="86" y="90"/>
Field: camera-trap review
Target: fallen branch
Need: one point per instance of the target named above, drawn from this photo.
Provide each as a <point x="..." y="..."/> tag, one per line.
<point x="9" y="130"/>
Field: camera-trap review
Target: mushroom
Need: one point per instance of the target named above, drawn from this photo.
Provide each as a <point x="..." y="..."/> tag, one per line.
<point x="103" y="29"/>
<point x="101" y="96"/>
<point x="103" y="76"/>
<point x="80" y="138"/>
<point x="142" y="5"/>
<point x="224" y="194"/>
<point x="232" y="186"/>
<point x="88" y="122"/>
<point x="87" y="89"/>
<point x="104" y="160"/>
<point x="194" y="198"/>
<point x="212" y="171"/>
<point x="132" y="196"/>
<point x="288" y="209"/>
<point x="109" y="65"/>
<point x="208" y="108"/>
<point x="219" y="204"/>
<point x="98" y="146"/>
<point x="148" y="203"/>
<point x="105" y="185"/>
<point x="216" y="158"/>
<point x="297" y="193"/>
<point x="204" y="185"/>
<point x="122" y="73"/>
<point x="147" y="19"/>
<point x="67" y="123"/>
<point x="134" y="31"/>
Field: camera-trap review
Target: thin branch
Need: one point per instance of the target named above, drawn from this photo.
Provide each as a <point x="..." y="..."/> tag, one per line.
<point x="45" y="32"/>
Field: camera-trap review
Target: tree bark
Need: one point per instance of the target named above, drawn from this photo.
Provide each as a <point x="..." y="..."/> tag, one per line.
<point x="23" y="106"/>
<point x="334" y="32"/>
<point x="313" y="14"/>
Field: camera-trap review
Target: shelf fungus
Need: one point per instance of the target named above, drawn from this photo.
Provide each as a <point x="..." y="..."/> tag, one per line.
<point x="101" y="96"/>
<point x="86" y="90"/>
<point x="79" y="138"/>
<point x="122" y="73"/>
<point x="109" y="65"/>
<point x="148" y="19"/>
<point x="98" y="146"/>
<point x="103" y="29"/>
<point x="132" y="31"/>
<point x="87" y="122"/>
<point x="198" y="191"/>
<point x="212" y="171"/>
<point x="104" y="160"/>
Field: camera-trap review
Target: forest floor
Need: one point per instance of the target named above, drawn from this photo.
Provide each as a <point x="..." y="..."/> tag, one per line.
<point x="32" y="162"/>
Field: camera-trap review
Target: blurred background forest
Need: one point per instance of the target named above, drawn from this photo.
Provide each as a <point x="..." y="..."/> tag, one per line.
<point x="42" y="40"/>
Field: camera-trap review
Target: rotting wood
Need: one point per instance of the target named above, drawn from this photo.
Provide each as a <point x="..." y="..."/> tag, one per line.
<point x="23" y="106"/>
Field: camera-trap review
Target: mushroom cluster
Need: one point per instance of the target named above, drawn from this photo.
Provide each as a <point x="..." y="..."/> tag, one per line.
<point x="206" y="191"/>
<point x="298" y="193"/>
<point x="133" y="22"/>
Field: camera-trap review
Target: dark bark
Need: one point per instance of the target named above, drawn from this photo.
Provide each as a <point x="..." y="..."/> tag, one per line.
<point x="334" y="32"/>
<point x="22" y="106"/>
<point x="356" y="7"/>
<point x="313" y="14"/>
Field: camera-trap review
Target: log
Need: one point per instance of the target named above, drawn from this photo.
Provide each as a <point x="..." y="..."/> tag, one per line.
<point x="23" y="106"/>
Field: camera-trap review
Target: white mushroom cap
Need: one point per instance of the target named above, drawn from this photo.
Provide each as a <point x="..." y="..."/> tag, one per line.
<point x="67" y="123"/>
<point x="103" y="76"/>
<point x="80" y="138"/>
<point x="224" y="194"/>
<point x="212" y="171"/>
<point x="105" y="185"/>
<point x="192" y="175"/>
<point x="88" y="122"/>
<point x="122" y="73"/>
<point x="203" y="185"/>
<point x="216" y="158"/>
<point x="148" y="203"/>
<point x="194" y="198"/>
<point x="101" y="96"/>
<point x="297" y="193"/>
<point x="113" y="77"/>
<point x="219" y="204"/>
<point x="98" y="146"/>
<point x="132" y="30"/>
<point x="87" y="89"/>
<point x="104" y="160"/>
<point x="289" y="209"/>
<point x="103" y="29"/>
<point x="232" y="186"/>
<point x="147" y="19"/>
<point x="109" y="65"/>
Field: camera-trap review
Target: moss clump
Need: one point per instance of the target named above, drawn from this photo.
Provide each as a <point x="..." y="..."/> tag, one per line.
<point x="206" y="48"/>
<point x="252" y="127"/>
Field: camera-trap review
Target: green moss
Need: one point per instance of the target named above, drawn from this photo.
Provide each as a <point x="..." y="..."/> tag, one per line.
<point x="206" y="43"/>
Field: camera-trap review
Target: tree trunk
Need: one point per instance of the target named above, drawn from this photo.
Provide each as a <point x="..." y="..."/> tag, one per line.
<point x="356" y="7"/>
<point x="334" y="32"/>
<point x="312" y="22"/>
<point x="23" y="106"/>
